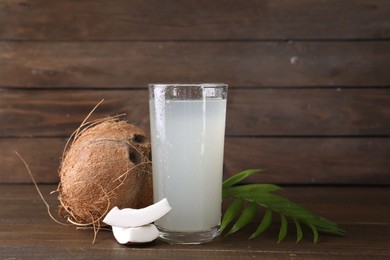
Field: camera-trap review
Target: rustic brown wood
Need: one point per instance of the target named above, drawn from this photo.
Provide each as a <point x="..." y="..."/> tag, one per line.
<point x="53" y="113"/>
<point x="349" y="161"/>
<point x="309" y="101"/>
<point x="363" y="161"/>
<point x="251" y="64"/>
<point x="193" y="20"/>
<point x="251" y="112"/>
<point x="42" y="155"/>
<point x="27" y="232"/>
<point x="303" y="112"/>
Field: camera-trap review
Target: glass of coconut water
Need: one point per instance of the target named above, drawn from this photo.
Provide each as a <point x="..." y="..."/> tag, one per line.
<point x="188" y="130"/>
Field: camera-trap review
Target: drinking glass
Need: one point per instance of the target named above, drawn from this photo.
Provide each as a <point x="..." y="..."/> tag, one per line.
<point x="187" y="124"/>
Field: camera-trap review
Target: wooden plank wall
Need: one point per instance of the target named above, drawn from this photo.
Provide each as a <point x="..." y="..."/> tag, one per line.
<point x="309" y="96"/>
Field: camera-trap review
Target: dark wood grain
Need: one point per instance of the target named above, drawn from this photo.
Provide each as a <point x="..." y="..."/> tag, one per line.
<point x="309" y="97"/>
<point x="59" y="113"/>
<point x="308" y="112"/>
<point x="348" y="161"/>
<point x="42" y="155"/>
<point x="251" y="64"/>
<point x="193" y="20"/>
<point x="27" y="232"/>
<point x="251" y="112"/>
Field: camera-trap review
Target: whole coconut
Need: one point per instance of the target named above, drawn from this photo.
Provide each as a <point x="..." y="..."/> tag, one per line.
<point x="108" y="164"/>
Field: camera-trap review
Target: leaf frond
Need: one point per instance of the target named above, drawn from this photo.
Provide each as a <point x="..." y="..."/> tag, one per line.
<point x="231" y="213"/>
<point x="264" y="224"/>
<point x="239" y="177"/>
<point x="245" y="218"/>
<point x="283" y="228"/>
<point x="260" y="195"/>
<point x="299" y="231"/>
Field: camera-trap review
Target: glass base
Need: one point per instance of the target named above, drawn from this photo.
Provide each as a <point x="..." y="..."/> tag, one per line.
<point x="175" y="237"/>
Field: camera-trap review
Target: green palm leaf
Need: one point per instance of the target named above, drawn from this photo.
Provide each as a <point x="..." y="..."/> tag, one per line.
<point x="299" y="231"/>
<point x="239" y="177"/>
<point x="315" y="232"/>
<point x="250" y="189"/>
<point x="283" y="228"/>
<point x="260" y="195"/>
<point x="264" y="224"/>
<point x="231" y="212"/>
<point x="245" y="218"/>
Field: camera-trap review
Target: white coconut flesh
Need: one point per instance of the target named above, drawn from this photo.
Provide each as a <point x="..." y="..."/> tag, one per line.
<point x="134" y="225"/>
<point x="142" y="234"/>
<point x="129" y="217"/>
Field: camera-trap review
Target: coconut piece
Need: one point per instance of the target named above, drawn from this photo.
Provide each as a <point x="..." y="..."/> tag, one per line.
<point x="129" y="217"/>
<point x="143" y="234"/>
<point x="107" y="164"/>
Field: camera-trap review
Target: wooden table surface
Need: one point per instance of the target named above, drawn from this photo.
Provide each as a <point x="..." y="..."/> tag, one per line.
<point x="26" y="231"/>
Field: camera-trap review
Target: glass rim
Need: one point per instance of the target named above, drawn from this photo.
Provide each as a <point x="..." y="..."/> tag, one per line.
<point x="183" y="85"/>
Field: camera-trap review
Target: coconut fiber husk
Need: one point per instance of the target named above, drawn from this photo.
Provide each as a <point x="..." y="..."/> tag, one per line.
<point x="107" y="164"/>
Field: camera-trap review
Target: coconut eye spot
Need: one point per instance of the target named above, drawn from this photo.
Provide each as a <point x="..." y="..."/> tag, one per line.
<point x="139" y="138"/>
<point x="134" y="156"/>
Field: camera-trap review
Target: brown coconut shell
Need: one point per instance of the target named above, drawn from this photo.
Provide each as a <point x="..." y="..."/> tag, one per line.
<point x="107" y="164"/>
